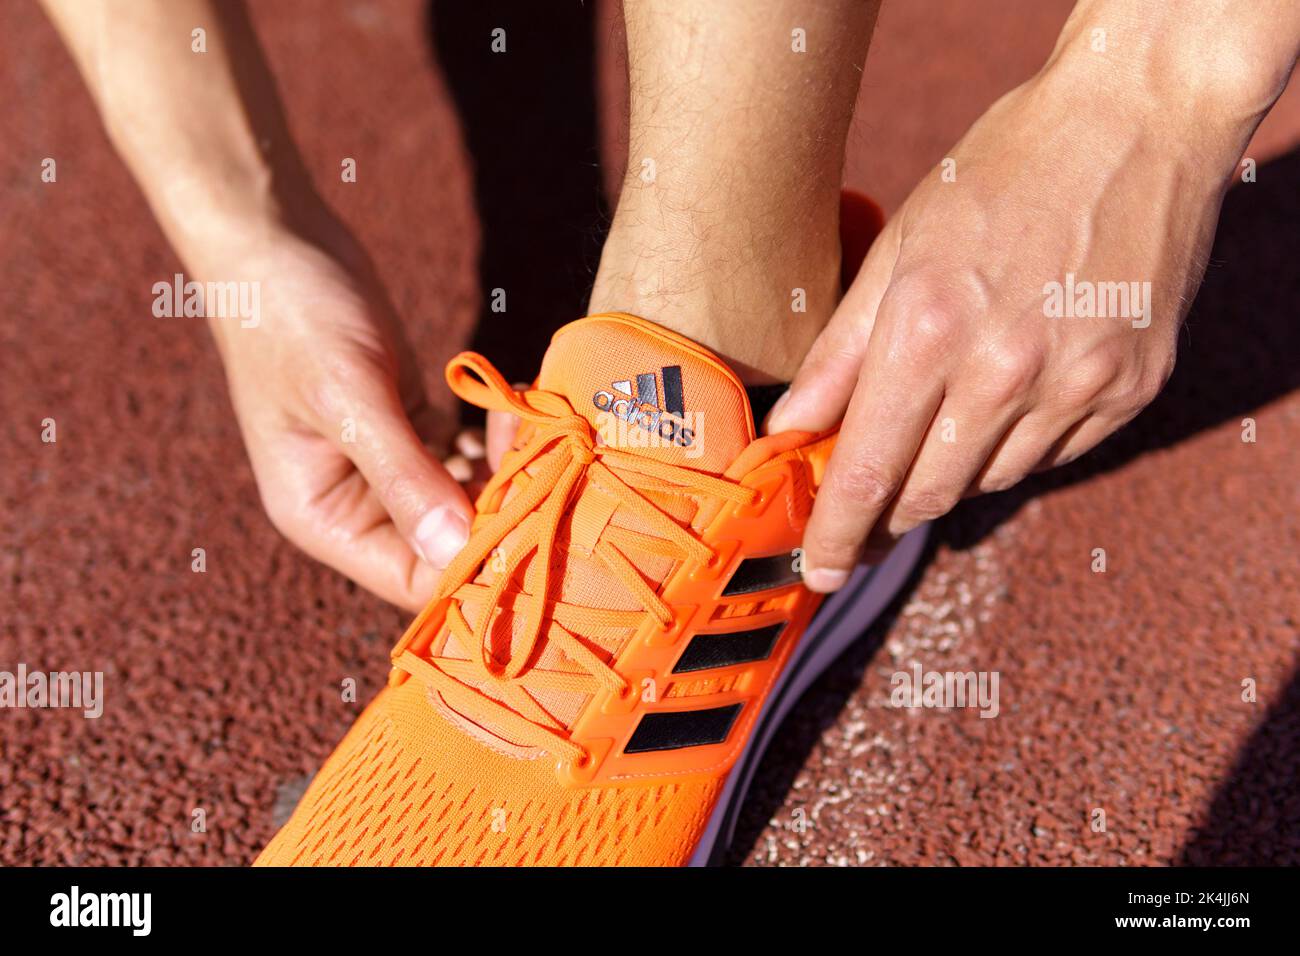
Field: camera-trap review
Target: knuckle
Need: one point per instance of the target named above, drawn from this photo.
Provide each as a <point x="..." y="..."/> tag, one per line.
<point x="1085" y="379"/>
<point x="328" y="397"/>
<point x="1011" y="369"/>
<point x="1153" y="381"/>
<point x="931" y="330"/>
<point x="400" y="493"/>
<point x="1136" y="388"/>
<point x="865" y="485"/>
<point x="284" y="515"/>
<point x="341" y="388"/>
<point x="1167" y="366"/>
<point x="928" y="322"/>
<point x="926" y="503"/>
<point x="1144" y="393"/>
<point x="1136" y="395"/>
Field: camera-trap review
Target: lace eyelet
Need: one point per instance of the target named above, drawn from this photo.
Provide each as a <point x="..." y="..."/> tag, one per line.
<point x="581" y="770"/>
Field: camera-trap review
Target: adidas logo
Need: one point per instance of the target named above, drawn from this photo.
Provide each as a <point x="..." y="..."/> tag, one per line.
<point x="641" y="407"/>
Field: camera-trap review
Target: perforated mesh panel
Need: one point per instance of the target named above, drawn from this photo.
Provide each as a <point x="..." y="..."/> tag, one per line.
<point x="407" y="789"/>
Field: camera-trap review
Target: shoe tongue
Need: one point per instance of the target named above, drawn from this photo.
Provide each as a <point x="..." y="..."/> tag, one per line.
<point x="650" y="391"/>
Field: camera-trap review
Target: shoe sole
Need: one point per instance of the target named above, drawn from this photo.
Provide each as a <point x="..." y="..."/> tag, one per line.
<point x="842" y="619"/>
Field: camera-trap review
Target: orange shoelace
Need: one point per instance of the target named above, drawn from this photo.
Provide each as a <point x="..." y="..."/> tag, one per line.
<point x="559" y="454"/>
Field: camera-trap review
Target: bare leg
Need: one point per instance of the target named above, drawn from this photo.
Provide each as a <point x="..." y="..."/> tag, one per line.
<point x="727" y="224"/>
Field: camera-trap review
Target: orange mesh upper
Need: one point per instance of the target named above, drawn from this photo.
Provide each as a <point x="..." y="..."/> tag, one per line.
<point x="592" y="357"/>
<point x="406" y="788"/>
<point x="456" y="761"/>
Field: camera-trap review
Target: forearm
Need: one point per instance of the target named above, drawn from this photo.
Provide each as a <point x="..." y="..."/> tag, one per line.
<point x="202" y="132"/>
<point x="1208" y="71"/>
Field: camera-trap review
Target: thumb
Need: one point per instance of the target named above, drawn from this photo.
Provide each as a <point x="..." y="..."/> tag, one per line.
<point x="820" y="392"/>
<point x="427" y="505"/>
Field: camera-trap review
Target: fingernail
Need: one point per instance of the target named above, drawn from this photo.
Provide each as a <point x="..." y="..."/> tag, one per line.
<point x="774" y="416"/>
<point x="824" y="580"/>
<point x="470" y="444"/>
<point x="440" y="535"/>
<point x="458" y="467"/>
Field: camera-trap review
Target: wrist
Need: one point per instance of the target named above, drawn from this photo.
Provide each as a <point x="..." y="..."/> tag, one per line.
<point x="284" y="261"/>
<point x="1201" y="82"/>
<point x="1127" y="117"/>
<point x="214" y="210"/>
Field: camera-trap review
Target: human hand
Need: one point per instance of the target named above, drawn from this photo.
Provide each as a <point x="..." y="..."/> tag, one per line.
<point x="956" y="361"/>
<point x="335" y="419"/>
<point x="330" y="404"/>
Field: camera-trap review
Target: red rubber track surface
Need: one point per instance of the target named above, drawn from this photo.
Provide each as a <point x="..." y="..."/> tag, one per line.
<point x="1120" y="691"/>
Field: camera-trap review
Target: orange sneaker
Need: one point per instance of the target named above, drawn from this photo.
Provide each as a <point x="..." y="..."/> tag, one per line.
<point x="604" y="663"/>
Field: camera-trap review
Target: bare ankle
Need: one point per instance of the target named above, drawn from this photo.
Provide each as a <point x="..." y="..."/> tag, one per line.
<point x="758" y="296"/>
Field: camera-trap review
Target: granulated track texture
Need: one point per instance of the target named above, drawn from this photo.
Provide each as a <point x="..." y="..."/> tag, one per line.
<point x="1121" y="693"/>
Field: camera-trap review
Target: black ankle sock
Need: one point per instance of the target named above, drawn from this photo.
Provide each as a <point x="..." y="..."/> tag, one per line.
<point x="761" y="400"/>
